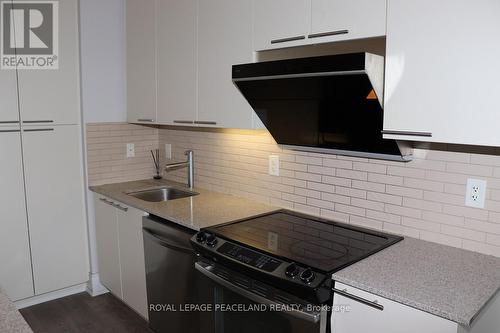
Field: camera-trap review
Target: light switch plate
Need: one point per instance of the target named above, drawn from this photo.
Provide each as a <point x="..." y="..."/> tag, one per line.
<point x="274" y="165"/>
<point x="130" y="150"/>
<point x="476" y="193"/>
<point x="168" y="151"/>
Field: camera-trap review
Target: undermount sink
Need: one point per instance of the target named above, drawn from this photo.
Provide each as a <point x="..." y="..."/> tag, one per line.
<point x="162" y="194"/>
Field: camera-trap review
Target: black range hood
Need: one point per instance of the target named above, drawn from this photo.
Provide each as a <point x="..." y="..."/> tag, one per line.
<point x="331" y="104"/>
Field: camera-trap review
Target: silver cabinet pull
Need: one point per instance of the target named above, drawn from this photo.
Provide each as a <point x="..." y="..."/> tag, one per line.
<point x="329" y="33"/>
<point x="288" y="39"/>
<point x="10" y="131"/>
<point x="120" y="207"/>
<point x="146" y="120"/>
<point x="10" y="122"/>
<point x="358" y="299"/>
<point x="106" y="201"/>
<point x="37" y="121"/>
<point x="39" y="130"/>
<point x="407" y="133"/>
<point x="184" y="122"/>
<point x="202" y="122"/>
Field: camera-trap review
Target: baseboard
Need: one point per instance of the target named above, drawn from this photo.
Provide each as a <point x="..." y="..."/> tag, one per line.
<point x="94" y="286"/>
<point x="24" y="303"/>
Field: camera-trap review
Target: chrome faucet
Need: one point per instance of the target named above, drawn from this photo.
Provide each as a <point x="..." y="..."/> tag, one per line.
<point x="189" y="164"/>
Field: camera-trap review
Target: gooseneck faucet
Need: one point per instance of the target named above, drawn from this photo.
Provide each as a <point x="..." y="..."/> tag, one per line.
<point x="189" y="164"/>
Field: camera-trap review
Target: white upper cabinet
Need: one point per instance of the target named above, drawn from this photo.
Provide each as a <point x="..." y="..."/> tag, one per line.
<point x="9" y="111"/>
<point x="442" y="71"/>
<point x="15" y="262"/>
<point x="141" y="60"/>
<point x="53" y="169"/>
<point x="176" y="61"/>
<point x="281" y="23"/>
<point x="224" y="39"/>
<point x="284" y="23"/>
<point x="335" y="20"/>
<point x="52" y="96"/>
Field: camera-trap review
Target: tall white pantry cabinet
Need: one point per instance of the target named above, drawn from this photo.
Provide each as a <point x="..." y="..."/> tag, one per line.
<point x="43" y="236"/>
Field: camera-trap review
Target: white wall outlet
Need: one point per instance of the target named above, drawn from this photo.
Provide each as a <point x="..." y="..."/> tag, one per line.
<point x="274" y="165"/>
<point x="476" y="193"/>
<point x="130" y="150"/>
<point x="168" y="151"/>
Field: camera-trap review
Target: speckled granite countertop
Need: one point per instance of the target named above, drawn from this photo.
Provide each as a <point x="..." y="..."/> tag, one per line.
<point x="452" y="283"/>
<point x="200" y="211"/>
<point x="11" y="320"/>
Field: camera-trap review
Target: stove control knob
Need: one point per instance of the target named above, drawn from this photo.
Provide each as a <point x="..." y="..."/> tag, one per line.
<point x="307" y="275"/>
<point x="201" y="237"/>
<point x="211" y="240"/>
<point x="291" y="270"/>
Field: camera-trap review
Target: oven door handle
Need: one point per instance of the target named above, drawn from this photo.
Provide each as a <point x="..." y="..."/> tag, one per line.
<point x="303" y="315"/>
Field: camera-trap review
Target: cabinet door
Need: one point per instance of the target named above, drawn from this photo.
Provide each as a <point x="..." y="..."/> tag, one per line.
<point x="442" y="74"/>
<point x="54" y="192"/>
<point x="176" y="37"/>
<point x="9" y="111"/>
<point x="53" y="95"/>
<point x="133" y="270"/>
<point x="224" y="39"/>
<point x="334" y="20"/>
<point x="108" y="255"/>
<point x="15" y="263"/>
<point x="141" y="60"/>
<point x="393" y="318"/>
<point x="281" y="23"/>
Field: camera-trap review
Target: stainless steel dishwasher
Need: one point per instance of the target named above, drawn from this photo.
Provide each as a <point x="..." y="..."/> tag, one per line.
<point x="170" y="276"/>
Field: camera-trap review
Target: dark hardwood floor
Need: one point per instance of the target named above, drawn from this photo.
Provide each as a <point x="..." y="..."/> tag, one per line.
<point x="82" y="313"/>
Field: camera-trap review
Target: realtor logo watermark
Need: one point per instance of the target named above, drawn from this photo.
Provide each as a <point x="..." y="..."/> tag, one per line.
<point x="29" y="34"/>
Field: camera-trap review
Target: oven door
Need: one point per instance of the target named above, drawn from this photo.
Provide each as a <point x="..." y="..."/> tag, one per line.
<point x="240" y="304"/>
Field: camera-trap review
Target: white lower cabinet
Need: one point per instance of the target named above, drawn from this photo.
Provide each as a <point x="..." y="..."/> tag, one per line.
<point x="375" y="314"/>
<point x="15" y="262"/>
<point x="53" y="169"/>
<point x="120" y="252"/>
<point x="394" y="318"/>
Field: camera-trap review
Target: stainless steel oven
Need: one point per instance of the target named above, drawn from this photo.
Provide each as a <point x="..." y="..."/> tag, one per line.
<point x="244" y="305"/>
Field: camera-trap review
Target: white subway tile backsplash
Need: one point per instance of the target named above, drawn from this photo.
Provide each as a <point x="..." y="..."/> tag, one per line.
<point x="424" y="198"/>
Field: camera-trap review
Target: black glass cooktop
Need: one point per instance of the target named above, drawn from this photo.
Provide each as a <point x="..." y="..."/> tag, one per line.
<point x="324" y="245"/>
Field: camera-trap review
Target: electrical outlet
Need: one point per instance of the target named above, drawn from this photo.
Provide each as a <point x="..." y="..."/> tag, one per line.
<point x="274" y="165"/>
<point x="476" y="193"/>
<point x="130" y="150"/>
<point x="168" y="151"/>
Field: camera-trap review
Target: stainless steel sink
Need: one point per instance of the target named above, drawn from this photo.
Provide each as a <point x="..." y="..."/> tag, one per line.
<point x="162" y="194"/>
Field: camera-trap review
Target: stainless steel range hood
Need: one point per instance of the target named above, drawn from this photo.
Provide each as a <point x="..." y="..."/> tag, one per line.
<point x="331" y="104"/>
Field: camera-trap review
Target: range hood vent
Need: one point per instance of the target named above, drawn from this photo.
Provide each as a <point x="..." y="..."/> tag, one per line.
<point x="331" y="104"/>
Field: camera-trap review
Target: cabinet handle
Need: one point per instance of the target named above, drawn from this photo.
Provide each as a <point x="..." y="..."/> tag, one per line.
<point x="329" y="33"/>
<point x="146" y="120"/>
<point x="10" y="122"/>
<point x="407" y="133"/>
<point x="183" y="122"/>
<point x="107" y="201"/>
<point x="39" y="130"/>
<point x="10" y="131"/>
<point x="120" y="207"/>
<point x="37" y="121"/>
<point x="358" y="299"/>
<point x="289" y="39"/>
<point x="201" y="122"/>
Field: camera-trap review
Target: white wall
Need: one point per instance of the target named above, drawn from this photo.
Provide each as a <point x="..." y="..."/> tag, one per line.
<point x="102" y="48"/>
<point x="102" y="30"/>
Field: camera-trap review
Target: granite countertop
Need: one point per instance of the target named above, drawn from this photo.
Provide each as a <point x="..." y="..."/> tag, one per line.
<point x="11" y="320"/>
<point x="200" y="211"/>
<point x="451" y="283"/>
